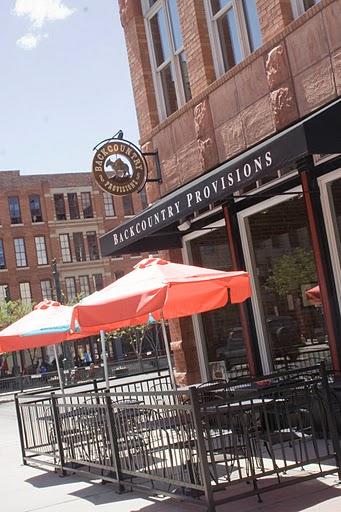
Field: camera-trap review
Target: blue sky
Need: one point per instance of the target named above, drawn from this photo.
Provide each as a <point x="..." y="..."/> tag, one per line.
<point x="65" y="83"/>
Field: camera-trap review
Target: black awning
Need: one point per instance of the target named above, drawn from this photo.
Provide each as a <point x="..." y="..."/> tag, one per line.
<point x="152" y="229"/>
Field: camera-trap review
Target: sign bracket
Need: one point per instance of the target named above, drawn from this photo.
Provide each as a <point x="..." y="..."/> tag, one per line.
<point x="154" y="154"/>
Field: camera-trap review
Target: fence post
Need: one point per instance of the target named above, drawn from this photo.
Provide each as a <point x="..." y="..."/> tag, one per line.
<point x="20" y="428"/>
<point x="205" y="470"/>
<point x="113" y="441"/>
<point x="56" y="416"/>
<point x="330" y="417"/>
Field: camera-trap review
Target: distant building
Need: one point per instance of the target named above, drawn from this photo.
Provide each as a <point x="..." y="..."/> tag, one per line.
<point x="58" y="216"/>
<point x="216" y="84"/>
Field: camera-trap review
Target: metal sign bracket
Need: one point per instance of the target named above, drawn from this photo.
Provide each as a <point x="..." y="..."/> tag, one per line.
<point x="154" y="154"/>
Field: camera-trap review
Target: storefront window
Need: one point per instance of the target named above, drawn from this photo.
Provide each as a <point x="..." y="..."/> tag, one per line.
<point x="221" y="328"/>
<point x="283" y="269"/>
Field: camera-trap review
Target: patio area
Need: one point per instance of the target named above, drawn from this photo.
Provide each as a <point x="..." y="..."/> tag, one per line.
<point x="207" y="444"/>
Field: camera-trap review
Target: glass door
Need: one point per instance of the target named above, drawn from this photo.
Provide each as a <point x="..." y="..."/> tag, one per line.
<point x="278" y="254"/>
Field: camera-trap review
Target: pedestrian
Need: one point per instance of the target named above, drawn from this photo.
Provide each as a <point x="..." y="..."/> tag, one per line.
<point x="86" y="358"/>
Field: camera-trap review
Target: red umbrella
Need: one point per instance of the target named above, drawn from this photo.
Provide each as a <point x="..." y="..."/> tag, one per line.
<point x="161" y="288"/>
<point x="314" y="295"/>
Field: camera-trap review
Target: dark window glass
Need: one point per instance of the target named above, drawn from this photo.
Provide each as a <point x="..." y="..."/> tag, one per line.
<point x="59" y="205"/>
<point x="92" y="245"/>
<point x="229" y="40"/>
<point x="128" y="207"/>
<point x="87" y="205"/>
<point x="14" y="210"/>
<point x="218" y="4"/>
<point x="2" y="255"/>
<point x="20" y="252"/>
<point x="185" y="77"/>
<point x="118" y="274"/>
<point x="160" y="37"/>
<point x="98" y="281"/>
<point x="168" y="89"/>
<point x="78" y="242"/>
<point x="35" y="209"/>
<point x="73" y="205"/>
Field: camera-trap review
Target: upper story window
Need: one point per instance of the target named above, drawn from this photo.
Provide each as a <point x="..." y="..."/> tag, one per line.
<point x="2" y="255"/>
<point x="59" y="206"/>
<point x="70" y="285"/>
<point x="144" y="199"/>
<point x="167" y="54"/>
<point x="128" y="207"/>
<point x="109" y="207"/>
<point x="20" y="252"/>
<point x="84" y="285"/>
<point x="73" y="205"/>
<point x="234" y="31"/>
<point x="87" y="205"/>
<point x="299" y="7"/>
<point x="35" y="209"/>
<point x="65" y="248"/>
<point x="41" y="250"/>
<point x="78" y="243"/>
<point x="92" y="245"/>
<point x="14" y="210"/>
<point x="98" y="281"/>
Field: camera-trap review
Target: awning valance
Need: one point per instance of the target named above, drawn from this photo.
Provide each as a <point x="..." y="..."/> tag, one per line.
<point x="152" y="228"/>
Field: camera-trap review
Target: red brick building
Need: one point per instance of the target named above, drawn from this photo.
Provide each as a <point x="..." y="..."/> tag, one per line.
<point x="58" y="216"/>
<point x="224" y="90"/>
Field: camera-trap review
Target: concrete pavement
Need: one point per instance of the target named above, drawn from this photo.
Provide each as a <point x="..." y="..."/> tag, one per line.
<point x="26" y="489"/>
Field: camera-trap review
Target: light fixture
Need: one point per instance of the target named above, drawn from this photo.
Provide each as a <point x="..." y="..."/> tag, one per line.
<point x="185" y="225"/>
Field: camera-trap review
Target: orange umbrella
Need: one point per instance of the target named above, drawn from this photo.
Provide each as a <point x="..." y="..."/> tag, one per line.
<point x="314" y="295"/>
<point x="161" y="288"/>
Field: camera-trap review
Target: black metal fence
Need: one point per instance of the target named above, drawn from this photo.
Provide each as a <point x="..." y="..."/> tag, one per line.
<point x="195" y="443"/>
<point x="82" y="374"/>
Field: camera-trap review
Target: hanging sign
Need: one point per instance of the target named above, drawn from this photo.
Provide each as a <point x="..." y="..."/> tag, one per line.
<point x="119" y="167"/>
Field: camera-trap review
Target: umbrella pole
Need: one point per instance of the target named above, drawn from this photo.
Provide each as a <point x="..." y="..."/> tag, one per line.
<point x="105" y="361"/>
<point x="61" y="384"/>
<point x="169" y="359"/>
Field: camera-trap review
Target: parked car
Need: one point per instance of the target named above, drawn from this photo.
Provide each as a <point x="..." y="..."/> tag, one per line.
<point x="285" y="339"/>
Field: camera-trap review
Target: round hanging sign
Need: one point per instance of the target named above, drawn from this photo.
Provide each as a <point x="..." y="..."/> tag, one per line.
<point x="119" y="167"/>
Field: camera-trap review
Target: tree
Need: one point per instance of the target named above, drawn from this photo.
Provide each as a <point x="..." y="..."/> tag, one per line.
<point x="12" y="311"/>
<point x="136" y="336"/>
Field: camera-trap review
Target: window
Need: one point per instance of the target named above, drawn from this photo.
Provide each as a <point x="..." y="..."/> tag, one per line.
<point x="35" y="209"/>
<point x="167" y="55"/>
<point x="2" y="255"/>
<point x="65" y="248"/>
<point x="92" y="245"/>
<point x="84" y="285"/>
<point x="299" y="7"/>
<point x="109" y="207"/>
<point x="235" y="31"/>
<point x="73" y="205"/>
<point x="118" y="274"/>
<point x="4" y="293"/>
<point x="25" y="292"/>
<point x="59" y="206"/>
<point x="41" y="250"/>
<point x="70" y="285"/>
<point x="78" y="243"/>
<point x="87" y="205"/>
<point x="144" y="200"/>
<point x="20" y="252"/>
<point x="98" y="281"/>
<point x="14" y="210"/>
<point x="46" y="289"/>
<point x="128" y="206"/>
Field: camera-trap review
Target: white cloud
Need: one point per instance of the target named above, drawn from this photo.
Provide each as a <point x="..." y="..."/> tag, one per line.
<point x="30" y="41"/>
<point x="42" y="11"/>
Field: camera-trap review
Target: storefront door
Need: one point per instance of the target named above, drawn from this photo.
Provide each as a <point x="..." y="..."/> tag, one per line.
<point x="278" y="255"/>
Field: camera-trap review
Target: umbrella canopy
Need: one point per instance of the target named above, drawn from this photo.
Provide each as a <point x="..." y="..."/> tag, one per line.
<point x="314" y="295"/>
<point x="164" y="289"/>
<point x="47" y="324"/>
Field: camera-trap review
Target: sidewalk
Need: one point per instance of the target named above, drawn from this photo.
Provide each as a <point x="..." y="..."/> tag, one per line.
<point x="26" y="489"/>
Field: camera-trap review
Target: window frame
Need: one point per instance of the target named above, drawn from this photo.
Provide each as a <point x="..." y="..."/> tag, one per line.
<point x="41" y="249"/>
<point x="108" y="202"/>
<point x="60" y="196"/>
<point x="73" y="204"/>
<point x="94" y="278"/>
<point x="2" y="253"/>
<point x="87" y="194"/>
<point x="173" y="59"/>
<point x="19" y="209"/>
<point x="125" y="200"/>
<point x="298" y="9"/>
<point x="70" y="279"/>
<point x="25" y="297"/>
<point x="32" y="210"/>
<point x="79" y="236"/>
<point x="19" y="254"/>
<point x="92" y="235"/>
<point x="213" y="32"/>
<point x="43" y="289"/>
<point x="62" y="247"/>
<point x="5" y="295"/>
<point x="84" y="279"/>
